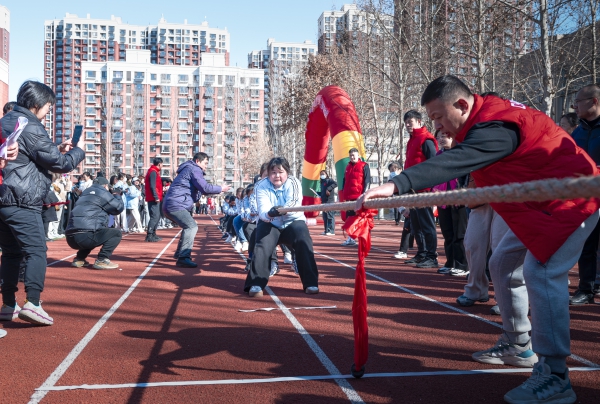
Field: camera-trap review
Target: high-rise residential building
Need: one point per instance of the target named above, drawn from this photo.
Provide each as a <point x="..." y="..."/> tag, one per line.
<point x="72" y="40"/>
<point x="134" y="105"/>
<point x="4" y="52"/>
<point x="280" y="61"/>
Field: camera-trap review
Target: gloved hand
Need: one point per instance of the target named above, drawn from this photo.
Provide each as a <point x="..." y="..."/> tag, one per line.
<point x="274" y="212"/>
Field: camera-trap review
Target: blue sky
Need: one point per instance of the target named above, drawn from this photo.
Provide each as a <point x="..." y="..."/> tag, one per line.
<point x="250" y="24"/>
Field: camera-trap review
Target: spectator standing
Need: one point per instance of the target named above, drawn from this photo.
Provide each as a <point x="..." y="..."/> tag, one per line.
<point x="453" y="220"/>
<point x="394" y="169"/>
<point x="26" y="181"/>
<point x="132" y="196"/>
<point x="327" y="196"/>
<point x="587" y="136"/>
<point x="357" y="179"/>
<point x="154" y="195"/>
<point x="179" y="202"/>
<point x="421" y="147"/>
<point x="88" y="225"/>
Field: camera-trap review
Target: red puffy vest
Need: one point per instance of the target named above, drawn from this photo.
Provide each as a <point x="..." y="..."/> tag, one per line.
<point x="414" y="147"/>
<point x="545" y="151"/>
<point x="159" y="187"/>
<point x="353" y="180"/>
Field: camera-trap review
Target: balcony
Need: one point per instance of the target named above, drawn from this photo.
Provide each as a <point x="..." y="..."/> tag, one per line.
<point x="230" y="165"/>
<point x="229" y="142"/>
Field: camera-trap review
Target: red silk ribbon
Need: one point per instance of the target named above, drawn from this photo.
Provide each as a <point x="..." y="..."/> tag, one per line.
<point x="359" y="228"/>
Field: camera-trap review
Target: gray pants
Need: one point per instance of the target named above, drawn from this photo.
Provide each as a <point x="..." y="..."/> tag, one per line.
<point x="511" y="265"/>
<point x="189" y="229"/>
<point x="484" y="231"/>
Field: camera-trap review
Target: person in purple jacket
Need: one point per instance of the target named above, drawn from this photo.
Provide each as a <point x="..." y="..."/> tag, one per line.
<point x="179" y="202"/>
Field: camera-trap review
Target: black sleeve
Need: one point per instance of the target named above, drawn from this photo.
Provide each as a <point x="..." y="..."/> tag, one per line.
<point x="113" y="204"/>
<point x="153" y="185"/>
<point x="484" y="144"/>
<point x="429" y="149"/>
<point x="46" y="154"/>
<point x="366" y="177"/>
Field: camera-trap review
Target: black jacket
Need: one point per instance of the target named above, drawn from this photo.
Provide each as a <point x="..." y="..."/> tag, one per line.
<point x="92" y="209"/>
<point x="327" y="184"/>
<point x="27" y="179"/>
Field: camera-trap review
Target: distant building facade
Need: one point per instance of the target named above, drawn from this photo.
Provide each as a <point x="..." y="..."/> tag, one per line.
<point x="136" y="103"/>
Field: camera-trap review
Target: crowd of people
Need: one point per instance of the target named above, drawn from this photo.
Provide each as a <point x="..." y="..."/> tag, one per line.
<point x="479" y="140"/>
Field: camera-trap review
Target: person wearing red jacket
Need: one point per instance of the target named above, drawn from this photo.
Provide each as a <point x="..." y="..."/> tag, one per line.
<point x="421" y="147"/>
<point x="154" y="195"/>
<point x="501" y="142"/>
<point x="357" y="179"/>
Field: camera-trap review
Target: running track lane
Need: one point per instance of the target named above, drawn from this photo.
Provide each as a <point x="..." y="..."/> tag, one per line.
<point x="163" y="334"/>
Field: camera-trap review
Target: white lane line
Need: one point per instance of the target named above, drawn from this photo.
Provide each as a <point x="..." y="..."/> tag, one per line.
<point x="301" y="379"/>
<point x="323" y="358"/>
<point x="68" y="361"/>
<point x="331" y="368"/>
<point x="60" y="260"/>
<point x="456" y="309"/>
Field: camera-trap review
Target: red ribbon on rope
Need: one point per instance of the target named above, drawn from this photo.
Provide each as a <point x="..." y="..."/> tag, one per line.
<point x="359" y="228"/>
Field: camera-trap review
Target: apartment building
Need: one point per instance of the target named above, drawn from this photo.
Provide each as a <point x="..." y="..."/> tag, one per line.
<point x="281" y="61"/>
<point x="141" y="93"/>
<point x="134" y="110"/>
<point x="4" y="53"/>
<point x="71" y="40"/>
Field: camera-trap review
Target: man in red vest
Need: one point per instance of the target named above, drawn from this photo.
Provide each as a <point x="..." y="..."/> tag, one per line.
<point x="154" y="196"/>
<point x="501" y="142"/>
<point x="357" y="179"/>
<point x="421" y="147"/>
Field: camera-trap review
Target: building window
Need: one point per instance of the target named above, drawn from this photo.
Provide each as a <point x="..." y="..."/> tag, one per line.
<point x="90" y="74"/>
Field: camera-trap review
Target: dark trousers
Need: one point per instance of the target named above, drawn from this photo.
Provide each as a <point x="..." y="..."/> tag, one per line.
<point x="252" y="242"/>
<point x="453" y="223"/>
<point x="22" y="238"/>
<point x="108" y="238"/>
<point x="229" y="227"/>
<point x="422" y="224"/>
<point x="587" y="261"/>
<point x="154" y="211"/>
<point x="407" y="240"/>
<point x="329" y="222"/>
<point x="295" y="236"/>
<point x="396" y="215"/>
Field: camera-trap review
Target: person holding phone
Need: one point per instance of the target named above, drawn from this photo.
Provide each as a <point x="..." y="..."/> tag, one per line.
<point x="26" y="182"/>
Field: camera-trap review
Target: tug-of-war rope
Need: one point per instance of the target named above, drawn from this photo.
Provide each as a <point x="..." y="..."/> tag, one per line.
<point x="532" y="191"/>
<point x="359" y="228"/>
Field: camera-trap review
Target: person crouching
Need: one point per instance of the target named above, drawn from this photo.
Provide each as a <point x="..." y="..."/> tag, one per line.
<point x="279" y="190"/>
<point x="88" y="225"/>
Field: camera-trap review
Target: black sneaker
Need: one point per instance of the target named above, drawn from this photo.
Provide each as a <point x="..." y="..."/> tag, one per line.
<point x="428" y="263"/>
<point x="414" y="260"/>
<point x="581" y="297"/>
<point x="186" y="263"/>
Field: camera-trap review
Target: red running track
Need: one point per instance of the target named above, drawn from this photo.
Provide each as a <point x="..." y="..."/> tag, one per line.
<point x="181" y="331"/>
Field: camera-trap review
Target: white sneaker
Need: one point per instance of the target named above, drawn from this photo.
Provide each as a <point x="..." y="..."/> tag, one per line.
<point x="312" y="290"/>
<point x="238" y="247"/>
<point x="274" y="269"/>
<point x="2" y="333"/>
<point x="287" y="258"/>
<point x="255" y="291"/>
<point x="234" y="240"/>
<point x="8" y="313"/>
<point x="244" y="246"/>
<point x="401" y="255"/>
<point x="330" y="234"/>
<point x="35" y="314"/>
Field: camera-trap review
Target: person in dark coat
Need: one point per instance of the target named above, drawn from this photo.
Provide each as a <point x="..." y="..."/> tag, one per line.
<point x="88" y="225"/>
<point x="327" y="187"/>
<point x="179" y="201"/>
<point x="26" y="182"/>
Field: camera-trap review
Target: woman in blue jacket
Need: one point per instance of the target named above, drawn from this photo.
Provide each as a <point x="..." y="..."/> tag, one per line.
<point x="279" y="190"/>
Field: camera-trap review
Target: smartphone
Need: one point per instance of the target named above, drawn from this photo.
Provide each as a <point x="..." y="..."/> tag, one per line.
<point x="76" y="135"/>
